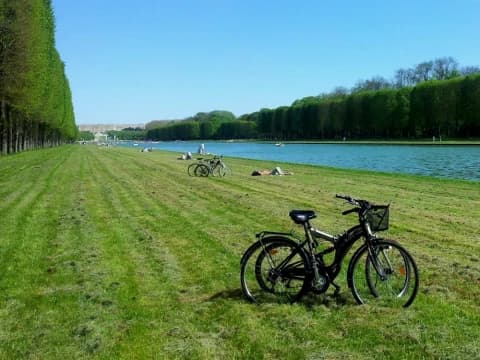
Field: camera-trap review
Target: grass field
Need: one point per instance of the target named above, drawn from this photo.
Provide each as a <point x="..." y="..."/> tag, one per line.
<point x="111" y="253"/>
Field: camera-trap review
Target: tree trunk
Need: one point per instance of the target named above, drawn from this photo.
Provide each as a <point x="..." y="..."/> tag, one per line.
<point x="17" y="134"/>
<point x="9" y="132"/>
<point x="3" y="127"/>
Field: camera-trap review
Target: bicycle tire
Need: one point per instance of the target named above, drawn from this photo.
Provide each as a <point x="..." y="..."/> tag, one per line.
<point x="384" y="274"/>
<point x="227" y="170"/>
<point x="274" y="270"/>
<point x="219" y="171"/>
<point x="191" y="169"/>
<point x="202" y="170"/>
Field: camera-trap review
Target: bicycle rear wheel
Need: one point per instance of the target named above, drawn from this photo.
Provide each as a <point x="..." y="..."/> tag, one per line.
<point x="202" y="170"/>
<point x="191" y="169"/>
<point x="386" y="274"/>
<point x="275" y="270"/>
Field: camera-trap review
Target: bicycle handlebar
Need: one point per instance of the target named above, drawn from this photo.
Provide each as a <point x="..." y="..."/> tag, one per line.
<point x="348" y="198"/>
<point x="361" y="204"/>
<point x="346" y="212"/>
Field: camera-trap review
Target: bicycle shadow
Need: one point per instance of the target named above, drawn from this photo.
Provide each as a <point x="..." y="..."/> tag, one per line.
<point x="309" y="300"/>
<point x="231" y="294"/>
<point x="331" y="301"/>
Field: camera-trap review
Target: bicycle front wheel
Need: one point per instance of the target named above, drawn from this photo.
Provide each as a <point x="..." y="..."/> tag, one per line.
<point x="274" y="270"/>
<point x="227" y="170"/>
<point x="219" y="171"/>
<point x="383" y="273"/>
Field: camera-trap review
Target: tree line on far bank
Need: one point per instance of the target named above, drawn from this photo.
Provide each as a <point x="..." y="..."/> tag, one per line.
<point x="36" y="107"/>
<point x="213" y="125"/>
<point x="435" y="98"/>
<point x="441" y="108"/>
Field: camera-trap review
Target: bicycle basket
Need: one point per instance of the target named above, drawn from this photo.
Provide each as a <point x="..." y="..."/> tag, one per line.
<point x="377" y="217"/>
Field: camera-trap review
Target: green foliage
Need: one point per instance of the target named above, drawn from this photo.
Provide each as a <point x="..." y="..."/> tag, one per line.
<point x="182" y="130"/>
<point x="468" y="108"/>
<point x="399" y="128"/>
<point x="215" y="117"/>
<point x="158" y="123"/>
<point x="237" y="130"/>
<point x="216" y="124"/>
<point x="130" y="134"/>
<point x="35" y="93"/>
<point x="442" y="104"/>
<point x="220" y="116"/>
<point x="440" y="108"/>
<point x="207" y="130"/>
<point x="85" y="135"/>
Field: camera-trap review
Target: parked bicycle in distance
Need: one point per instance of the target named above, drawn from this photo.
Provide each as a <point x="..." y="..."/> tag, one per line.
<point x="281" y="267"/>
<point x="210" y="166"/>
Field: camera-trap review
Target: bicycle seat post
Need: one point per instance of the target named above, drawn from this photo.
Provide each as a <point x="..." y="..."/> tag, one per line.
<point x="303" y="217"/>
<point x="308" y="234"/>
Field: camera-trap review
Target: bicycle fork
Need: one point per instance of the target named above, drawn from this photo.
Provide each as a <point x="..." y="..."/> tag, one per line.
<point x="374" y="256"/>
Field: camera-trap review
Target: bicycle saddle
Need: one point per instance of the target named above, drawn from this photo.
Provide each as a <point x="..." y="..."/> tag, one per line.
<point x="302" y="216"/>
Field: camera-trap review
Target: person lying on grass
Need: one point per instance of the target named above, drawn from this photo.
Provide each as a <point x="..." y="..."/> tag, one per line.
<point x="275" y="171"/>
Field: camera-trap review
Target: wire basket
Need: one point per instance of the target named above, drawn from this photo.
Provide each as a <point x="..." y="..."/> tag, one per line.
<point x="378" y="216"/>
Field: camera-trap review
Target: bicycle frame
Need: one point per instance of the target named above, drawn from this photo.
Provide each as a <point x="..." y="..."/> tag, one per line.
<point x="341" y="245"/>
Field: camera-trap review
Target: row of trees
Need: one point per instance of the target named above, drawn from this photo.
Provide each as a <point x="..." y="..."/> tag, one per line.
<point x="448" y="108"/>
<point x="434" y="98"/>
<point x="213" y="125"/>
<point x="36" y="107"/>
<point x="192" y="130"/>
<point x="127" y="134"/>
<point x="440" y="108"/>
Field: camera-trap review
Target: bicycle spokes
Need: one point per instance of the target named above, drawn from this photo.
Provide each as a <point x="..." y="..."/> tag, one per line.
<point x="275" y="271"/>
<point x="384" y="273"/>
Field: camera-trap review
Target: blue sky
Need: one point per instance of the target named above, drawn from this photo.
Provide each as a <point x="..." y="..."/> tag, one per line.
<point x="133" y="62"/>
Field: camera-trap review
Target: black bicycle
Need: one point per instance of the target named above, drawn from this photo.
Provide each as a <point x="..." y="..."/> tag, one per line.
<point x="280" y="267"/>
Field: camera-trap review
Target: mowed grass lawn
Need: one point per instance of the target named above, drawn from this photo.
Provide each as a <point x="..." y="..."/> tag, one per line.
<point x="111" y="253"/>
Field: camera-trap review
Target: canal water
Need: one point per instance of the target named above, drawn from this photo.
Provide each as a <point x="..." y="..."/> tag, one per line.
<point x="444" y="161"/>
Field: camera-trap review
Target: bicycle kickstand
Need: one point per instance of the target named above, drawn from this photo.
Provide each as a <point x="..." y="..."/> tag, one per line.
<point x="337" y="289"/>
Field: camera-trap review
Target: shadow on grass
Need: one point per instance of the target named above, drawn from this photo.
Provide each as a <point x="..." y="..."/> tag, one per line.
<point x="309" y="300"/>
<point x="330" y="301"/>
<point x="232" y="294"/>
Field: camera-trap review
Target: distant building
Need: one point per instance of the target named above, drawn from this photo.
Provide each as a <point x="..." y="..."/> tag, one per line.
<point x="100" y="128"/>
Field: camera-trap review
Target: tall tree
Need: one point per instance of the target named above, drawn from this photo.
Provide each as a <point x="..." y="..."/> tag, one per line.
<point x="445" y="68"/>
<point x="469" y="70"/>
<point x="405" y="77"/>
<point x="423" y="71"/>
<point x="375" y="83"/>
